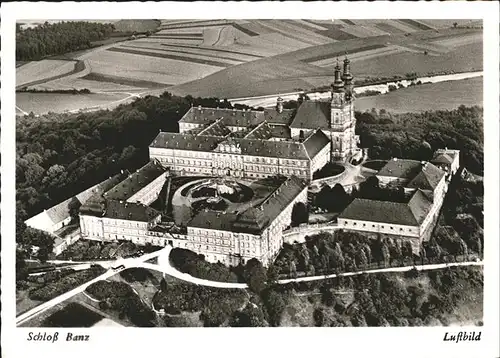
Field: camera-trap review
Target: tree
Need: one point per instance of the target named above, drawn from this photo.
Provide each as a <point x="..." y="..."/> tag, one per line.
<point x="340" y="197"/>
<point x="255" y="275"/>
<point x="300" y="214"/>
<point x="319" y="317"/>
<point x="272" y="274"/>
<point x="384" y="252"/>
<point x="293" y="269"/>
<point x="275" y="305"/>
<point x="361" y="259"/>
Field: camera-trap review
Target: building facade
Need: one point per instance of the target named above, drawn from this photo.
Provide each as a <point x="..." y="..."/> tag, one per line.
<point x="258" y="144"/>
<point x="425" y="186"/>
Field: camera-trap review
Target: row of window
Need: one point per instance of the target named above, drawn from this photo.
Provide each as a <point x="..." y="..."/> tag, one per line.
<point x="180" y="155"/>
<point x="373" y="226"/>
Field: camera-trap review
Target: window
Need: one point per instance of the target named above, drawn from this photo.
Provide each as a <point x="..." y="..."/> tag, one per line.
<point x="392" y="228"/>
<point x="400" y="229"/>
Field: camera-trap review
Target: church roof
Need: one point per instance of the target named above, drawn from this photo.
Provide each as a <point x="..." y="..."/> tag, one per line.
<point x="312" y="115"/>
<point x="315" y="143"/>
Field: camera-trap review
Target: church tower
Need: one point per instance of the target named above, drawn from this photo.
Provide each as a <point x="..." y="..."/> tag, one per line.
<point x="342" y="121"/>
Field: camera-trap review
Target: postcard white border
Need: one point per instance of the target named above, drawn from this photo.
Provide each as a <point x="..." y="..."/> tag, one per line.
<point x="289" y="342"/>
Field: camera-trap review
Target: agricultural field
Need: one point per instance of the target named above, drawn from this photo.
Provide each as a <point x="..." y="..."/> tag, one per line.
<point x="42" y="70"/>
<point x="41" y="103"/>
<point x="243" y="58"/>
<point x="443" y="95"/>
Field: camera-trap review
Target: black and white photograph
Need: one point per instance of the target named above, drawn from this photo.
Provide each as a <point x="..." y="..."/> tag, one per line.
<point x="255" y="173"/>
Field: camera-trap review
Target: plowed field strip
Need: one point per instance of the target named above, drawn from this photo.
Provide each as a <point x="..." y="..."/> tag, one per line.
<point x="342" y="53"/>
<point x="214" y="49"/>
<point x="349" y="22"/>
<point x="169" y="37"/>
<point x="337" y="34"/>
<point x="181" y="34"/>
<point x="183" y="52"/>
<point x="200" y="25"/>
<point x="416" y="24"/>
<point x="98" y="77"/>
<point x="79" y="67"/>
<point x="245" y="30"/>
<point x="388" y="28"/>
<point x="172" y="57"/>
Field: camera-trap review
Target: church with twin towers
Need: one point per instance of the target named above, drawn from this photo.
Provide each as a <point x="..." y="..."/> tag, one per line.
<point x="257" y="144"/>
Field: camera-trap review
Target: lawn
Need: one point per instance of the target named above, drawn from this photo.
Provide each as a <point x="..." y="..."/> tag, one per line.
<point x="375" y="164"/>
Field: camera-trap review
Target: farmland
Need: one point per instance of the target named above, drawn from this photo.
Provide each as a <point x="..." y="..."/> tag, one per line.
<point x="443" y="95"/>
<point x="243" y="58"/>
<point x="42" y="70"/>
<point x="40" y="103"/>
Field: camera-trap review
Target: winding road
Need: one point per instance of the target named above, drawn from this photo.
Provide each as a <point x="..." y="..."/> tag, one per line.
<point x="165" y="267"/>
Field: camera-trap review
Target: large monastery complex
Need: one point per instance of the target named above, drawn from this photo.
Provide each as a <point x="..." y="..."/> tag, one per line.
<point x="283" y="145"/>
<point x="258" y="144"/>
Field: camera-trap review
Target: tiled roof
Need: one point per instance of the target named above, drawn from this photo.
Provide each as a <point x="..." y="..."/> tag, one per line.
<point x="401" y="168"/>
<point x="379" y="211"/>
<point x="231" y="117"/>
<point x="312" y="115"/>
<point x="123" y="210"/>
<point x="213" y="220"/>
<point x="61" y="211"/>
<point x="273" y="149"/>
<point x="262" y="131"/>
<point x="95" y="205"/>
<point x="412" y="213"/>
<point x="420" y="205"/>
<point x="315" y="142"/>
<point x="216" y="129"/>
<point x="281" y="132"/>
<point x="185" y="142"/>
<point x="428" y="178"/>
<point x="135" y="181"/>
<point x="255" y="219"/>
<point x="274" y="118"/>
<point x="445" y="156"/>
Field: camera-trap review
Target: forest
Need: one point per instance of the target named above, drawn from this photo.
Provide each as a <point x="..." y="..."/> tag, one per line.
<point x="418" y="135"/>
<point x="38" y="42"/>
